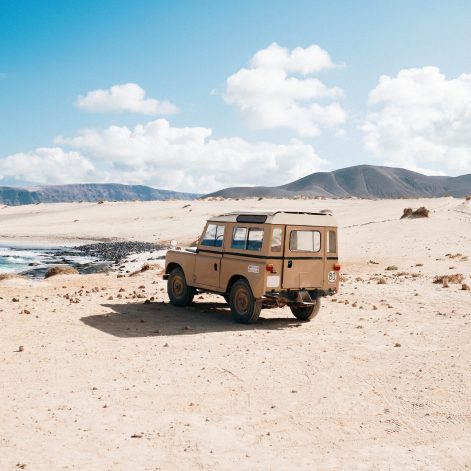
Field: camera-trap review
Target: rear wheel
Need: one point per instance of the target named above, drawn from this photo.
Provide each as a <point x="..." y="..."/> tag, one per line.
<point x="244" y="307"/>
<point x="179" y="292"/>
<point x="306" y="313"/>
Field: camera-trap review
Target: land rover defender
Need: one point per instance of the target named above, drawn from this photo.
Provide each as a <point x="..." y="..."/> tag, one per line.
<point x="259" y="260"/>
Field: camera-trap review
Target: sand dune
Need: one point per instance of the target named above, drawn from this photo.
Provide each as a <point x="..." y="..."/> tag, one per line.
<point x="379" y="380"/>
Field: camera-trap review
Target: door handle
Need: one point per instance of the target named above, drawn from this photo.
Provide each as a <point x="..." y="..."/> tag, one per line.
<point x="290" y="263"/>
<point x="215" y="267"/>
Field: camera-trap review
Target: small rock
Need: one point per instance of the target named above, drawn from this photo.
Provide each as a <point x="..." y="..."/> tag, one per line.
<point x="397" y="344"/>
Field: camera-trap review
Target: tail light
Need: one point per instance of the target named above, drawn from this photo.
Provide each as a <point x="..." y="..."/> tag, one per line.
<point x="337" y="266"/>
<point x="270" y="268"/>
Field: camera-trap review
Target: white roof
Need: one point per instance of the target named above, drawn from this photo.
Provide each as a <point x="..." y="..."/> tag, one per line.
<point x="294" y="218"/>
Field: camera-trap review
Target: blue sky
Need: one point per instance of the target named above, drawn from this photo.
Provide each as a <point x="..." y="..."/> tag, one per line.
<point x="184" y="52"/>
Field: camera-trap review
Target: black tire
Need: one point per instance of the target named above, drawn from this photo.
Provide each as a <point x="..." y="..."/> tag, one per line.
<point x="227" y="297"/>
<point x="306" y="313"/>
<point x="179" y="292"/>
<point x="245" y="308"/>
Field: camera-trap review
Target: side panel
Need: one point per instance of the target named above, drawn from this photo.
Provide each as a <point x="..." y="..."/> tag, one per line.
<point x="207" y="270"/>
<point x="253" y="269"/>
<point x="303" y="269"/>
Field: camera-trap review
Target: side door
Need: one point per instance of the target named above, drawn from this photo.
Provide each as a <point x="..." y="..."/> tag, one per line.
<point x="208" y="257"/>
<point x="303" y="263"/>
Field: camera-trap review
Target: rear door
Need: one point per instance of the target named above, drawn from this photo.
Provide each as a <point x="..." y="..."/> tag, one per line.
<point x="303" y="263"/>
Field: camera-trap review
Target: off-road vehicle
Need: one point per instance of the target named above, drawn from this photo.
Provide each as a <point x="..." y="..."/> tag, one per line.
<point x="259" y="260"/>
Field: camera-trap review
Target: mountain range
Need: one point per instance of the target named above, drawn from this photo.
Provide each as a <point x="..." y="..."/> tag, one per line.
<point x="361" y="181"/>
<point x="86" y="192"/>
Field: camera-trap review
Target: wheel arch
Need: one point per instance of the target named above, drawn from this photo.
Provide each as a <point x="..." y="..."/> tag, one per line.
<point x="171" y="266"/>
<point x="234" y="279"/>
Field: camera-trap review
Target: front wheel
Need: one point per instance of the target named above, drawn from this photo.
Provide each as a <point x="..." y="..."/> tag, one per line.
<point x="306" y="313"/>
<point x="244" y="307"/>
<point x="179" y="292"/>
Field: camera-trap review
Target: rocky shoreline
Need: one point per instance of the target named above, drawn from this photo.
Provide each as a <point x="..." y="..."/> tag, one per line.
<point x="103" y="257"/>
<point x="118" y="251"/>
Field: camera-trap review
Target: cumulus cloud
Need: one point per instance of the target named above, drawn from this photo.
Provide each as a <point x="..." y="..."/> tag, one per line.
<point x="48" y="165"/>
<point x="188" y="159"/>
<point x="128" y="97"/>
<point x="278" y="89"/>
<point x="421" y="119"/>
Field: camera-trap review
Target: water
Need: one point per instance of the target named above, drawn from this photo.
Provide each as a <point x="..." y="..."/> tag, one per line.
<point x="36" y="260"/>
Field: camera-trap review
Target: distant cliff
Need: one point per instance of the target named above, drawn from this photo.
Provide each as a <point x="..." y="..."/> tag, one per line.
<point x="86" y="192"/>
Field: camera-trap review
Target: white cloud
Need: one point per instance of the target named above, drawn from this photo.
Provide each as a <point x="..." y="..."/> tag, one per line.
<point x="269" y="93"/>
<point x="187" y="159"/>
<point x="422" y="119"/>
<point x="48" y="165"/>
<point x="126" y="97"/>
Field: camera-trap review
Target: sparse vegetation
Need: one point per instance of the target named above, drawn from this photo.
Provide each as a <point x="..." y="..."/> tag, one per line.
<point x="9" y="276"/>
<point x="146" y="267"/>
<point x="455" y="278"/>
<point x="391" y="267"/>
<point x="61" y="270"/>
<point x="410" y="213"/>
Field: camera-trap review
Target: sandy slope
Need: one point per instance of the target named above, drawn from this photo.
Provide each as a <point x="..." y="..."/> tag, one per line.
<point x="382" y="382"/>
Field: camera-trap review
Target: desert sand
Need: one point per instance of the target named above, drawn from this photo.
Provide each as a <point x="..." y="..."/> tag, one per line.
<point x="101" y="373"/>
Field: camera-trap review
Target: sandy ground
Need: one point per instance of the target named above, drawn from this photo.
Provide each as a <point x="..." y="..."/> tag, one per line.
<point x="381" y="379"/>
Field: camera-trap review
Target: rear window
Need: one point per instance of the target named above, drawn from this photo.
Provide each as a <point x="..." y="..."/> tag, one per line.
<point x="247" y="238"/>
<point x="305" y="241"/>
<point x="214" y="235"/>
<point x="332" y="242"/>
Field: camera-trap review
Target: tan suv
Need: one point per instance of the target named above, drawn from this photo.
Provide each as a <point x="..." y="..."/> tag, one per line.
<point x="259" y="260"/>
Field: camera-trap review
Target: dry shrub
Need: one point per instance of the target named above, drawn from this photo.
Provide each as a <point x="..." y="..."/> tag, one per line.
<point x="381" y="281"/>
<point x="455" y="278"/>
<point x="61" y="270"/>
<point x="421" y="212"/>
<point x="467" y="198"/>
<point x="391" y="267"/>
<point x="146" y="267"/>
<point x="101" y="202"/>
<point x="9" y="276"/>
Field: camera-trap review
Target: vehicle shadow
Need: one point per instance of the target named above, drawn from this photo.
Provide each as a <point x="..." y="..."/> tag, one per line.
<point x="154" y="319"/>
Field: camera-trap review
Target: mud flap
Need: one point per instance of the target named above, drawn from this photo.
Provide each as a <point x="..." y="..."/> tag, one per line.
<point x="304" y="299"/>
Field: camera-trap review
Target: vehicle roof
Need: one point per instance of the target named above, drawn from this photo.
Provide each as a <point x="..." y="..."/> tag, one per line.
<point x="294" y="218"/>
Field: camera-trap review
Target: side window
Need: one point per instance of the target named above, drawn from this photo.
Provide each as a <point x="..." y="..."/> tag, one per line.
<point x="276" y="239"/>
<point x="214" y="236"/>
<point x="332" y="242"/>
<point x="238" y="238"/>
<point x="305" y="241"/>
<point x="247" y="239"/>
<point x="255" y="239"/>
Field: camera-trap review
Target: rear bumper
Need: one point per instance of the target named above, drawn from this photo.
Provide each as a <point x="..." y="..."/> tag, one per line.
<point x="293" y="295"/>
